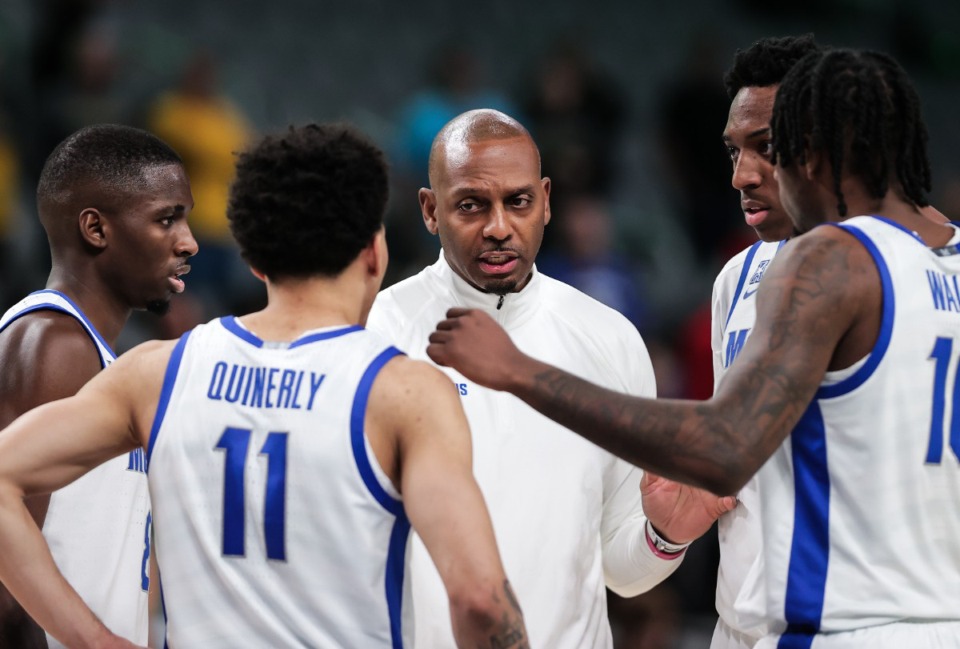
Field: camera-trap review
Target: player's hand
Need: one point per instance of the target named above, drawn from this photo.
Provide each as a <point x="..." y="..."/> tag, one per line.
<point x="471" y="342"/>
<point x="680" y="513"/>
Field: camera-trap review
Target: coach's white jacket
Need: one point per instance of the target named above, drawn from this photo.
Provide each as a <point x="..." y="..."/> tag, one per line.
<point x="566" y="514"/>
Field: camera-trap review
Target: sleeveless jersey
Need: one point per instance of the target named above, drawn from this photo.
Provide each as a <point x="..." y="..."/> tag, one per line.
<point x="734" y="314"/>
<point x="861" y="504"/>
<point x="98" y="528"/>
<point x="275" y="526"/>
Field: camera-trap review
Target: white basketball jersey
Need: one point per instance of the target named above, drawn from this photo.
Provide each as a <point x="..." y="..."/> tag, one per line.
<point x="734" y="314"/>
<point x="98" y="528"/>
<point x="861" y="504"/>
<point x="275" y="526"/>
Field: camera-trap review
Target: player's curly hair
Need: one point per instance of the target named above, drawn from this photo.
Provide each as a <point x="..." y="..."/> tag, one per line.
<point x="767" y="61"/>
<point x="111" y="155"/>
<point x="860" y="105"/>
<point x="306" y="202"/>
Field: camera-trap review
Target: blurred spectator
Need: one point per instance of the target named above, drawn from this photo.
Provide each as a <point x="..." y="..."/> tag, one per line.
<point x="10" y="206"/>
<point x="586" y="259"/>
<point x="692" y="111"/>
<point x="576" y="114"/>
<point x="206" y="129"/>
<point x="89" y="94"/>
<point x="454" y="85"/>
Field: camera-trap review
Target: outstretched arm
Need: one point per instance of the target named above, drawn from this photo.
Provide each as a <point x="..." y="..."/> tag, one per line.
<point x="812" y="295"/>
<point x="421" y="409"/>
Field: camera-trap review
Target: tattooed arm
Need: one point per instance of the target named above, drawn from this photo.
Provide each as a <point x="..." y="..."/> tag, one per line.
<point x="817" y="308"/>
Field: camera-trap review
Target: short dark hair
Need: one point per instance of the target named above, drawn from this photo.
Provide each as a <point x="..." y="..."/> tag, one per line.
<point x="767" y="61"/>
<point x="857" y="103"/>
<point x="112" y="155"/>
<point x="306" y="202"/>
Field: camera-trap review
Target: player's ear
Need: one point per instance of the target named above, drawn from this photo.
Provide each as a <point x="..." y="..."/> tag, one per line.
<point x="428" y="207"/>
<point x="93" y="228"/>
<point x="375" y="255"/>
<point x="546" y="199"/>
<point x="813" y="163"/>
<point x="381" y="256"/>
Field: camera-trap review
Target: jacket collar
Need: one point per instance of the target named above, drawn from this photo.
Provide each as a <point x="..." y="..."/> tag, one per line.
<point x="515" y="309"/>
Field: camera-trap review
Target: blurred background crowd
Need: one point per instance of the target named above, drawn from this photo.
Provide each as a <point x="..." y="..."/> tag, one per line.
<point x="624" y="98"/>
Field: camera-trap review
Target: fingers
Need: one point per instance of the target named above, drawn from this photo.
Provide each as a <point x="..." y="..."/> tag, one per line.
<point x="728" y="503"/>
<point x="454" y="316"/>
<point x="437" y="355"/>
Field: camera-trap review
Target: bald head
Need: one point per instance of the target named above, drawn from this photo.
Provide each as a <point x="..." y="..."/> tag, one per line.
<point x="483" y="125"/>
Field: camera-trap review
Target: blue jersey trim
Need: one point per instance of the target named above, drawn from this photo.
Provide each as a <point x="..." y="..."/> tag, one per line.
<point x="396" y="556"/>
<point x="324" y="335"/>
<point x="169" y="380"/>
<point x="743" y="278"/>
<point x="393" y="579"/>
<point x="810" y="547"/>
<point x="230" y="324"/>
<point x="88" y="328"/>
<point x="866" y="370"/>
<point x="795" y="640"/>
<point x="898" y="226"/>
<point x="357" y="414"/>
<point x="83" y="317"/>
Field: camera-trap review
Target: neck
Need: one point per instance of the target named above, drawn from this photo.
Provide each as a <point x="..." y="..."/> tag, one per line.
<point x="105" y="312"/>
<point x="298" y="305"/>
<point x="894" y="207"/>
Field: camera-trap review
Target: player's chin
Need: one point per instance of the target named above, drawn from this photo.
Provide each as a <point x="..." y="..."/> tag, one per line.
<point x="499" y="286"/>
<point x="159" y="306"/>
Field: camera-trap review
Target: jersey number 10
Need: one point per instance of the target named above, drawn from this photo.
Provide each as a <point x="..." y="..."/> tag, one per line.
<point x="942" y="351"/>
<point x="236" y="442"/>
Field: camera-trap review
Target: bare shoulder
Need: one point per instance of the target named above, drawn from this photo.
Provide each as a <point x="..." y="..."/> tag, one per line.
<point x="145" y="364"/>
<point x="405" y="382"/>
<point x="411" y="398"/>
<point x="133" y="383"/>
<point x="821" y="287"/>
<point x="825" y="263"/>
<point x="46" y="355"/>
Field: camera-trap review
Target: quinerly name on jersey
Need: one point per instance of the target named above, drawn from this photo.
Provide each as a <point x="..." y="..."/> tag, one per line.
<point x="945" y="291"/>
<point x="264" y="387"/>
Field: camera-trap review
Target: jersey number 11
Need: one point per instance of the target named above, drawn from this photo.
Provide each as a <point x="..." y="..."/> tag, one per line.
<point x="235" y="442"/>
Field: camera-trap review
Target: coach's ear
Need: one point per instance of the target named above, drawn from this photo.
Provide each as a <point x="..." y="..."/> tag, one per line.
<point x="428" y="206"/>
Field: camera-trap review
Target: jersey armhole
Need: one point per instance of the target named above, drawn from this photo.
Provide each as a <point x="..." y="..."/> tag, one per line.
<point x="382" y="479"/>
<point x="169" y="381"/>
<point x="362" y="455"/>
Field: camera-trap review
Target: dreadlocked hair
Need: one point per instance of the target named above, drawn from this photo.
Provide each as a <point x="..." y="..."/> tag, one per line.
<point x="766" y="62"/>
<point x="859" y="104"/>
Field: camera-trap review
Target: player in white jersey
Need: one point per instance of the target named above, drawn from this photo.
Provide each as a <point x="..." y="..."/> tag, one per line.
<point x="752" y="83"/>
<point x="113" y="201"/>
<point x="289" y="451"/>
<point x="555" y="500"/>
<point x="852" y="351"/>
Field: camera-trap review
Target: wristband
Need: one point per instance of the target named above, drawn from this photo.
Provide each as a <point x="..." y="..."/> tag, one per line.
<point x="661" y="547"/>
